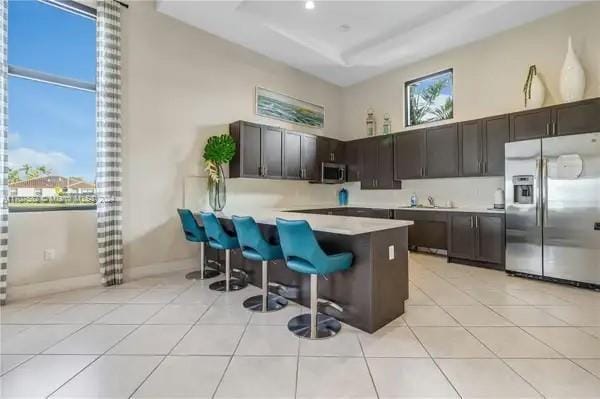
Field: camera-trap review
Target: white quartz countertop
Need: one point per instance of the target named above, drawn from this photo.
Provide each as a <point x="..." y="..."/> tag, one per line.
<point x="400" y="208"/>
<point x="345" y="225"/>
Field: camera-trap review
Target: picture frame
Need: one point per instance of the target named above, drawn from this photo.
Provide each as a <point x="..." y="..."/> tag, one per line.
<point x="273" y="105"/>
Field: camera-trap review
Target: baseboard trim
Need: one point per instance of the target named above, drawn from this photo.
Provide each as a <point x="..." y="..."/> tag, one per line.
<point x="26" y="291"/>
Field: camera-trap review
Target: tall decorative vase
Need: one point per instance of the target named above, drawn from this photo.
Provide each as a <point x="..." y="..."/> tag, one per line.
<point x="572" y="77"/>
<point x="217" y="193"/>
<point x="537" y="92"/>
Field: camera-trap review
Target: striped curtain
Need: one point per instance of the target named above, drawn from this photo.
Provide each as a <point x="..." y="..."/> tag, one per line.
<point x="3" y="149"/>
<point x="108" y="142"/>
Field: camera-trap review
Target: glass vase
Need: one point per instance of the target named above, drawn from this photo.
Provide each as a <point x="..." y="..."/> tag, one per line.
<point x="217" y="193"/>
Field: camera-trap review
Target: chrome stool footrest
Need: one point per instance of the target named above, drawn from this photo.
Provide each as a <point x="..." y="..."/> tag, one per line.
<point x="197" y="275"/>
<point x="273" y="303"/>
<point x="327" y="326"/>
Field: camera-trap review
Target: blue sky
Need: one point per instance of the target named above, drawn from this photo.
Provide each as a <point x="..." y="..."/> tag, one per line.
<point x="51" y="125"/>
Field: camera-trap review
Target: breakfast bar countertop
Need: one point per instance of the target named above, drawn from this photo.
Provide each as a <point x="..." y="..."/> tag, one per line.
<point x="468" y="209"/>
<point x="344" y="225"/>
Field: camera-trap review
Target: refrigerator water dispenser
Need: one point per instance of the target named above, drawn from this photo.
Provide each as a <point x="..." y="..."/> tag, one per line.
<point x="523" y="189"/>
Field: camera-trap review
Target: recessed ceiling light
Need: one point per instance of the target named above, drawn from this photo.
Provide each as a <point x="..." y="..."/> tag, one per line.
<point x="309" y="5"/>
<point x="344" y="28"/>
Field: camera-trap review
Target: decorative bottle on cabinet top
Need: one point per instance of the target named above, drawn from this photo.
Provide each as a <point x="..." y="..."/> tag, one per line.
<point x="371" y="124"/>
<point x="572" y="77"/>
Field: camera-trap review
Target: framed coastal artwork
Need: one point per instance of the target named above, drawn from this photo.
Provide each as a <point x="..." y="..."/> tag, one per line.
<point x="429" y="98"/>
<point x="289" y="109"/>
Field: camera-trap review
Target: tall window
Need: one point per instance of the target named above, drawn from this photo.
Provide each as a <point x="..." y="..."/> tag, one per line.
<point x="429" y="98"/>
<point x="51" y="104"/>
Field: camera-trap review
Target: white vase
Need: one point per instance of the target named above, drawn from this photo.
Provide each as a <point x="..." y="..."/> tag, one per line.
<point x="538" y="93"/>
<point x="572" y="77"/>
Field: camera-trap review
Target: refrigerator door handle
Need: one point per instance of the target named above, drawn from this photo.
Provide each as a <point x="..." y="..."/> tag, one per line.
<point x="545" y="189"/>
<point x="538" y="189"/>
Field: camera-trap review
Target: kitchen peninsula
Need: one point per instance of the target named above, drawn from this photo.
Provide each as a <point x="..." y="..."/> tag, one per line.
<point x="372" y="292"/>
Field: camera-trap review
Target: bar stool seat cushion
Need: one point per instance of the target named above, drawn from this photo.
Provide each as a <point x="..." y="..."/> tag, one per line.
<point x="218" y="238"/>
<point x="193" y="231"/>
<point x="334" y="263"/>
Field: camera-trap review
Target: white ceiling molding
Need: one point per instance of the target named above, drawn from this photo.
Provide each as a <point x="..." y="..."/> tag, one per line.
<point x="345" y="42"/>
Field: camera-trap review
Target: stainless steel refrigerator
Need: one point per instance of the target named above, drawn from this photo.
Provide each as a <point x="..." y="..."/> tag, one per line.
<point x="553" y="207"/>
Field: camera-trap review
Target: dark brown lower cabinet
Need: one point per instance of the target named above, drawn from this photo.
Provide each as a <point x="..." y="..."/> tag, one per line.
<point x="429" y="228"/>
<point x="476" y="237"/>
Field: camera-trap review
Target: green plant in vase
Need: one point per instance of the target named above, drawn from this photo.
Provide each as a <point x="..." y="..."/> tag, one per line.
<point x="219" y="150"/>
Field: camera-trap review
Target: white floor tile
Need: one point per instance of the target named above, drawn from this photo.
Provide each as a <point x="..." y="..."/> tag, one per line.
<point x="38" y="338"/>
<point x="36" y="314"/>
<point x="513" y="342"/>
<point x="405" y="378"/>
<point x="150" y="340"/>
<point x="485" y="378"/>
<point x="178" y="314"/>
<point x="94" y="339"/>
<point x="82" y="313"/>
<point x="42" y="375"/>
<point x="268" y="341"/>
<point x="527" y="316"/>
<point x="9" y="362"/>
<point x="156" y="295"/>
<point x="184" y="377"/>
<point x="427" y="316"/>
<point x="197" y="294"/>
<point x="117" y="295"/>
<point x="109" y="377"/>
<point x="591" y="365"/>
<point x="259" y="377"/>
<point x="595" y="331"/>
<point x="281" y="317"/>
<point x="493" y="297"/>
<point x="225" y="314"/>
<point x="391" y="342"/>
<point x="576" y="315"/>
<point x="10" y="330"/>
<point x="210" y="340"/>
<point x="75" y="296"/>
<point x="345" y="343"/>
<point x="569" y="341"/>
<point x="451" y="342"/>
<point x="334" y="377"/>
<point x="130" y="314"/>
<point x="476" y="315"/>
<point x="557" y="378"/>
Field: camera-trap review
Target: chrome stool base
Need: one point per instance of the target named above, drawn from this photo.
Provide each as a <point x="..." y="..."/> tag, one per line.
<point x="274" y="303"/>
<point x="327" y="326"/>
<point x="197" y="275"/>
<point x="234" y="285"/>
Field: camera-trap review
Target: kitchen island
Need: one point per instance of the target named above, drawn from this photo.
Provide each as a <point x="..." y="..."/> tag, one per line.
<point x="372" y="292"/>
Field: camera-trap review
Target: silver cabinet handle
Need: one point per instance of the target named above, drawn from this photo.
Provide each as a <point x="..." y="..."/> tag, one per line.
<point x="471" y="221"/>
<point x="554" y="129"/>
<point x="477" y="222"/>
<point x="547" y="129"/>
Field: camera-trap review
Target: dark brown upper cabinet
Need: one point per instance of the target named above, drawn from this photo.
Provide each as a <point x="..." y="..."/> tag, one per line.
<point x="300" y="155"/>
<point x="575" y="118"/>
<point x="330" y="150"/>
<point x="482" y="146"/>
<point x="442" y="151"/>
<point x="471" y="148"/>
<point x="496" y="133"/>
<point x="352" y="156"/>
<point x="259" y="150"/>
<point x="409" y="155"/>
<point x="530" y="124"/>
<point x="378" y="163"/>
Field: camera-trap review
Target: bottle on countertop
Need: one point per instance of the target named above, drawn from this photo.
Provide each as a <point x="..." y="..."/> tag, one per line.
<point x="413" y="199"/>
<point x="343" y="197"/>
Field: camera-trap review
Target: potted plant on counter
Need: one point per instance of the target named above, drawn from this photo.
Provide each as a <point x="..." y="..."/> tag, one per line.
<point x="219" y="150"/>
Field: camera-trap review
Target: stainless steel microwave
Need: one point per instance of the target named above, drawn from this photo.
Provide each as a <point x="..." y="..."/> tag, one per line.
<point x="333" y="173"/>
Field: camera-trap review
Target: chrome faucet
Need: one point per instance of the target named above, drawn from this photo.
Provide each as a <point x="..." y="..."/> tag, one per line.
<point x="431" y="201"/>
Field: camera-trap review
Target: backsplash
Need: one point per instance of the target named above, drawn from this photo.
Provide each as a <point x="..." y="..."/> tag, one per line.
<point x="262" y="193"/>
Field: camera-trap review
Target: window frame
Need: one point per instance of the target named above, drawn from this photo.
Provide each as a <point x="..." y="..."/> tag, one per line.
<point x="84" y="11"/>
<point x="407" y="101"/>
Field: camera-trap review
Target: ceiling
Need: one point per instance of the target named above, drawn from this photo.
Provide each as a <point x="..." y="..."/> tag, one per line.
<point x="345" y="42"/>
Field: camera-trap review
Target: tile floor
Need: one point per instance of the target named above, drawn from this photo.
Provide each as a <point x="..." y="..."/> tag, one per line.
<point x="467" y="332"/>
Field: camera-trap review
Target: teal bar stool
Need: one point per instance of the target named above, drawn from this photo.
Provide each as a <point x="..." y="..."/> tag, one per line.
<point x="255" y="247"/>
<point x="303" y="254"/>
<point x="219" y="239"/>
<point x="195" y="233"/>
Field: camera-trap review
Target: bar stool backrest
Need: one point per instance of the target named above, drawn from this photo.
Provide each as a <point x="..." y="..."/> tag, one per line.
<point x="193" y="231"/>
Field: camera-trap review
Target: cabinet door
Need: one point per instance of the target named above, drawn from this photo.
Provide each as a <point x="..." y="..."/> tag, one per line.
<point x="409" y="155"/>
<point x="496" y="133"/>
<point x="292" y="161"/>
<point x="352" y="152"/>
<point x="323" y="153"/>
<point x="578" y="117"/>
<point x="272" y="152"/>
<point x="308" y="158"/>
<point x="251" y="150"/>
<point x="490" y="238"/>
<point x="461" y="236"/>
<point x="369" y="163"/>
<point x="471" y="148"/>
<point x="384" y="177"/>
<point x="442" y="151"/>
<point x="336" y="149"/>
<point x="530" y="124"/>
